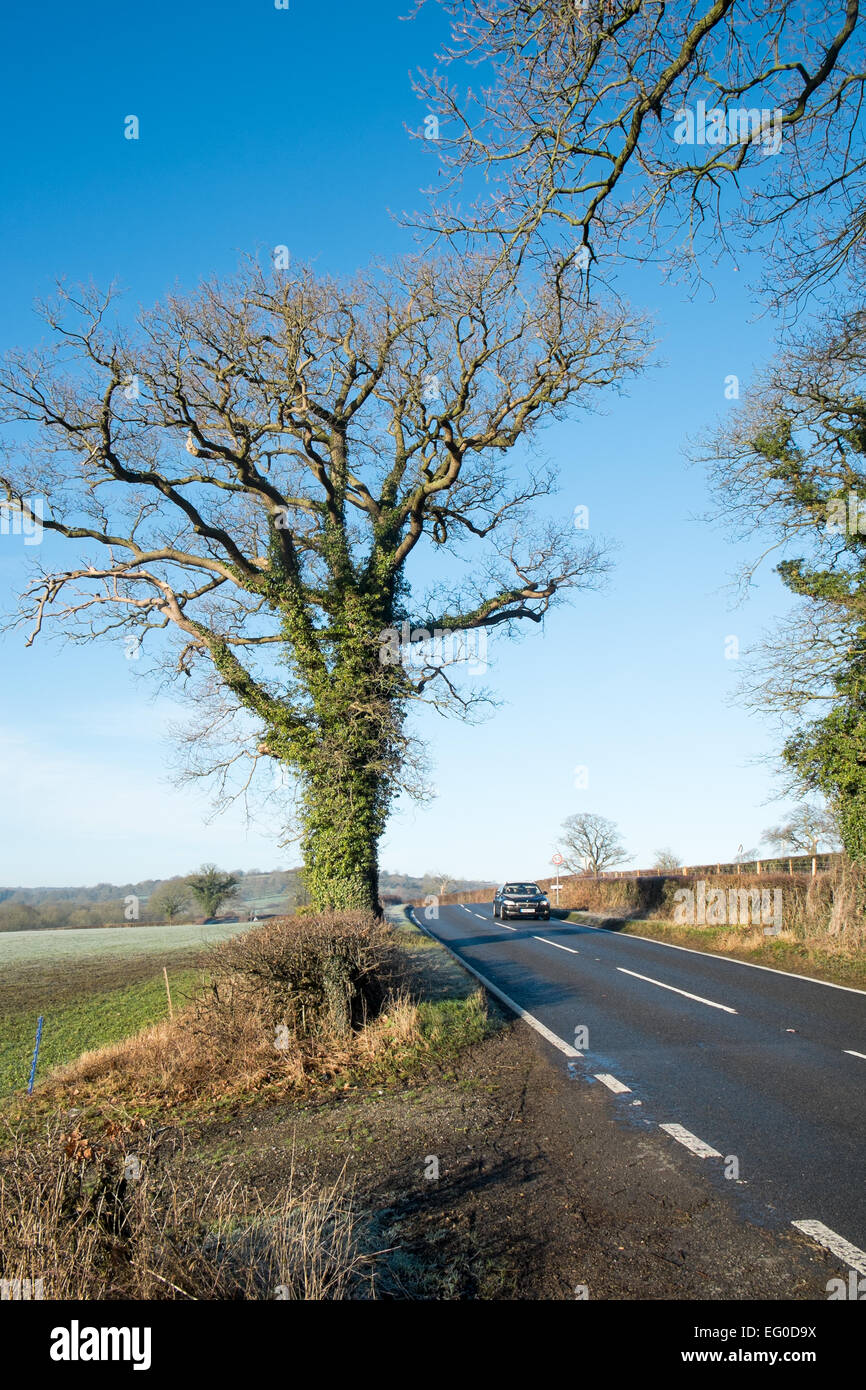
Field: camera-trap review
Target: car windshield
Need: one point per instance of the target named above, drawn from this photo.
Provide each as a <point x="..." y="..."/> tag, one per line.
<point x="520" y="888"/>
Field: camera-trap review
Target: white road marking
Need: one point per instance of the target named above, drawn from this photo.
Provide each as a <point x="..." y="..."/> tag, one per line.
<point x="661" y="984"/>
<point x="481" y="915"/>
<point x="849" y="1053"/>
<point x="838" y="1244"/>
<point x="691" y="1141"/>
<point x="714" y="955"/>
<point x="612" y="1084"/>
<point x="557" y="944"/>
<point x="533" y="1022"/>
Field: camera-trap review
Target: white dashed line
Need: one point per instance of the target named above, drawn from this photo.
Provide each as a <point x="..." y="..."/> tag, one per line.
<point x="690" y="1141"/>
<point x="849" y="1053"/>
<point x="714" y="955"/>
<point x="533" y="1022"/>
<point x="612" y="1084"/>
<point x="684" y="992"/>
<point x="557" y="944"/>
<point x="816" y="1230"/>
<point x="481" y="915"/>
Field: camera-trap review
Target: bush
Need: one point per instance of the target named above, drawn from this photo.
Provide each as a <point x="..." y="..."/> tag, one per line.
<point x="325" y="969"/>
<point x="290" y="1002"/>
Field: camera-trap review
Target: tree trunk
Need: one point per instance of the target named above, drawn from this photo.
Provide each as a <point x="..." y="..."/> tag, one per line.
<point x="344" y="819"/>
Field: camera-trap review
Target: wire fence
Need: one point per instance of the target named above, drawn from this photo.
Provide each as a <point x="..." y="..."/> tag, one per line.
<point x="810" y="864"/>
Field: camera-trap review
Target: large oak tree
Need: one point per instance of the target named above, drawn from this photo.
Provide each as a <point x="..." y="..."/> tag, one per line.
<point x="253" y="466"/>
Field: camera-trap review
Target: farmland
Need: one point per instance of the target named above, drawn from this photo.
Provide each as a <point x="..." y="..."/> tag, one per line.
<point x="92" y="986"/>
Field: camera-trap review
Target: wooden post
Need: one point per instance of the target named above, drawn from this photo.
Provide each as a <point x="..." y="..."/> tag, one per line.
<point x="790" y="866"/>
<point x="814" y="866"/>
<point x="168" y="992"/>
<point x="757" y="866"/>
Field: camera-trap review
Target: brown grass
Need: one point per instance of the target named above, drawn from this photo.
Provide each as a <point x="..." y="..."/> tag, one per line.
<point x="214" y="1054"/>
<point x="76" y="1215"/>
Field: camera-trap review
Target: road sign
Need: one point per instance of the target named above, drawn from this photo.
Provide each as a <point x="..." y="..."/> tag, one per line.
<point x="557" y="859"/>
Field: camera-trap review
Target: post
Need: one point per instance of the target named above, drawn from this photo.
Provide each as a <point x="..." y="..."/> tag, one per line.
<point x="814" y="866"/>
<point x="757" y="866"/>
<point x="35" y="1056"/>
<point x="168" y="992"/>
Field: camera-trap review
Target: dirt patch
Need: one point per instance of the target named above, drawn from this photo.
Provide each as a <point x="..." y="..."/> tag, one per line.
<point x="540" y="1189"/>
<point x="40" y="984"/>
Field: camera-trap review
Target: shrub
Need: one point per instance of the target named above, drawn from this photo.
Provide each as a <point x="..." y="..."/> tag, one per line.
<point x="328" y="970"/>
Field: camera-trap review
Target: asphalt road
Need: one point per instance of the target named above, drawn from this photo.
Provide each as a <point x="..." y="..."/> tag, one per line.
<point x="753" y="1063"/>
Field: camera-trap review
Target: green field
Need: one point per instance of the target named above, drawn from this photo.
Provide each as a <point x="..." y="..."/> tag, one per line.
<point x="92" y="986"/>
<point x="104" y="941"/>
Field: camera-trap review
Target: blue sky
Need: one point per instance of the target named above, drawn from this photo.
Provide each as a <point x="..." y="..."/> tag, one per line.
<point x="261" y="127"/>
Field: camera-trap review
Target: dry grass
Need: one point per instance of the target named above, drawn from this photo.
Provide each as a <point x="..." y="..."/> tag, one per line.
<point x="293" y="1006"/>
<point x="214" y="1054"/>
<point x="289" y="1003"/>
<point x="94" y="1222"/>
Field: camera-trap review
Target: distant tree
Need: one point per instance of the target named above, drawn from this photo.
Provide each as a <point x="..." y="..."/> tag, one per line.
<point x="438" y="883"/>
<point x="745" y="856"/>
<point x="170" y="900"/>
<point x="591" y="843"/>
<point x="807" y="829"/>
<point x="666" y="861"/>
<point x="212" y="888"/>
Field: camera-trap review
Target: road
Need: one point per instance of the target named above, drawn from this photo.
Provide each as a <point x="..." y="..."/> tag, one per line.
<point x="754" y="1065"/>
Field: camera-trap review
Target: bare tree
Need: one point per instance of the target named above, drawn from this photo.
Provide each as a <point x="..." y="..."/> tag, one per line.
<point x="745" y="856"/>
<point x="252" y="468"/>
<point x="170" y="900"/>
<point x="591" y="843"/>
<point x="437" y="883"/>
<point x="665" y="861"/>
<point x="807" y="829"/>
<point x="605" y="127"/>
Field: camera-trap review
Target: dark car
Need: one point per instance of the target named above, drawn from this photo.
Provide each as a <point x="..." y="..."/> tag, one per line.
<point x="521" y="900"/>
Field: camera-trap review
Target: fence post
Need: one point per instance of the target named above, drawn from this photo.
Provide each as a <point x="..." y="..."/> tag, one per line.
<point x="757" y="866"/>
<point x="35" y="1056"/>
<point x="814" y="866"/>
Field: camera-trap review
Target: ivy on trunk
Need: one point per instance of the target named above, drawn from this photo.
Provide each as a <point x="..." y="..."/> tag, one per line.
<point x="247" y="475"/>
